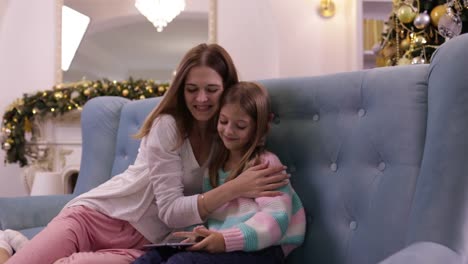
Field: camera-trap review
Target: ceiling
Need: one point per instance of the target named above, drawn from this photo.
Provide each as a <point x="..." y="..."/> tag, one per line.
<point x="120" y="42"/>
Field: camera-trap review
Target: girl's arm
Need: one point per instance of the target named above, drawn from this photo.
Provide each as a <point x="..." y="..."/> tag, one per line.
<point x="279" y="217"/>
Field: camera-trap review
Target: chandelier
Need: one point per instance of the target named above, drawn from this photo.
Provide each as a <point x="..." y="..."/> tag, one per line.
<point x="160" y="12"/>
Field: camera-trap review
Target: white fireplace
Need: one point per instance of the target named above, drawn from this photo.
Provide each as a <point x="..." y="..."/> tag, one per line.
<point x="54" y="152"/>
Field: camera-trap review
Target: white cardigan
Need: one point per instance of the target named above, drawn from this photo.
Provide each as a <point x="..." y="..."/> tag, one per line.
<point x="150" y="193"/>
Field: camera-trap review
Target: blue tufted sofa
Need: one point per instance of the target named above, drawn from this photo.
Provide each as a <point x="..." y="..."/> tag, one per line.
<point x="379" y="158"/>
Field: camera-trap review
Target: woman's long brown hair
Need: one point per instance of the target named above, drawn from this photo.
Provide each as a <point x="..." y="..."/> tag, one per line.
<point x="173" y="103"/>
<point x="254" y="100"/>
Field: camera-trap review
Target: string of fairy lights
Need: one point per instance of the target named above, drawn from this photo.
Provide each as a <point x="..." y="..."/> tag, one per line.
<point x="63" y="98"/>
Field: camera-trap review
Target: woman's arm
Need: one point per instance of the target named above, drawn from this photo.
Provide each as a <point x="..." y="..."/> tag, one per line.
<point x="258" y="181"/>
<point x="166" y="172"/>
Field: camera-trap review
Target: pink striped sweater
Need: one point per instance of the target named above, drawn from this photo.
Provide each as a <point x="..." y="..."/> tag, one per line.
<point x="254" y="224"/>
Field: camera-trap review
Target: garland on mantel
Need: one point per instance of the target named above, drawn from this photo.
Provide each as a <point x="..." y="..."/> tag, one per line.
<point x="63" y="98"/>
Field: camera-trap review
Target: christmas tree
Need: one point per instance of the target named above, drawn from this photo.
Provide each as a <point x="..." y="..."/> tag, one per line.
<point x="416" y="28"/>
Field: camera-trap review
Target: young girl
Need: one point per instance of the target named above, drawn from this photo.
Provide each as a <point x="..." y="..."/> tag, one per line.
<point x="261" y="230"/>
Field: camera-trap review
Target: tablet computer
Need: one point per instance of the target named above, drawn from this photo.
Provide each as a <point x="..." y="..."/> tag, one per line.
<point x="176" y="245"/>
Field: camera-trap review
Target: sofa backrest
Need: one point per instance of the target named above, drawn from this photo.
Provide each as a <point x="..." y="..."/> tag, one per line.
<point x="353" y="143"/>
<point x="132" y="117"/>
<point x="100" y="120"/>
<point x="378" y="157"/>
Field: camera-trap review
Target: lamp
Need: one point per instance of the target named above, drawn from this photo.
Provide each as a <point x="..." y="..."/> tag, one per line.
<point x="160" y="12"/>
<point x="326" y="8"/>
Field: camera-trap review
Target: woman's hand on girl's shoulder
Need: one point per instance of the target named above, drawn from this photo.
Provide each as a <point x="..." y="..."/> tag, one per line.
<point x="261" y="180"/>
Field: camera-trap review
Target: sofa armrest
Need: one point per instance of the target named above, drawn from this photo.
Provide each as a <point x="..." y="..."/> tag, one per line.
<point x="424" y="253"/>
<point x="31" y="211"/>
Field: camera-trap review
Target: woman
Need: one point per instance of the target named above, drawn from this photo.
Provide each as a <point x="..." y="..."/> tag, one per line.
<point x="158" y="193"/>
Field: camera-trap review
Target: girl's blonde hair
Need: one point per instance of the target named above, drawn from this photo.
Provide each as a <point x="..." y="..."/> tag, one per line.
<point x="254" y="100"/>
<point x="173" y="103"/>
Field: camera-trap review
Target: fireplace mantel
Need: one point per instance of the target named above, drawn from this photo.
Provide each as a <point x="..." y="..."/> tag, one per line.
<point x="54" y="151"/>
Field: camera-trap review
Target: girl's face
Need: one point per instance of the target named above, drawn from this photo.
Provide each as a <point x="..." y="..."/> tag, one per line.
<point x="235" y="127"/>
<point x="202" y="92"/>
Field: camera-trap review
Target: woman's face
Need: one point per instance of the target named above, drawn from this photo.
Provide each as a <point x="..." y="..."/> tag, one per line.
<point x="202" y="92"/>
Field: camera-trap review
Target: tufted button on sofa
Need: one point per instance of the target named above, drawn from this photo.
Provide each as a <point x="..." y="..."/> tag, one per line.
<point x="379" y="158"/>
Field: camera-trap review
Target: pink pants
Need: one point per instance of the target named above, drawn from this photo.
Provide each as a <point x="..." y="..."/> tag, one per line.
<point x="82" y="235"/>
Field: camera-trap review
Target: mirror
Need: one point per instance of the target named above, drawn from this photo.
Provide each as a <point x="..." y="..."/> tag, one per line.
<point x="120" y="42"/>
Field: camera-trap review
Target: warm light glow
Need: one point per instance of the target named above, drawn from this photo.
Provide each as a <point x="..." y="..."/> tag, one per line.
<point x="160" y="12"/>
<point x="74" y="25"/>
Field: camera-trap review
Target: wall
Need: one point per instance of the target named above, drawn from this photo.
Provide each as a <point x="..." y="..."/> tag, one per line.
<point x="27" y="52"/>
<point x="276" y="38"/>
<point x="266" y="38"/>
<point x="248" y="31"/>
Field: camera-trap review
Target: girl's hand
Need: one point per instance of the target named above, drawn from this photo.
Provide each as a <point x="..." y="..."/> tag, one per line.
<point x="260" y="180"/>
<point x="212" y="242"/>
<point x="207" y="240"/>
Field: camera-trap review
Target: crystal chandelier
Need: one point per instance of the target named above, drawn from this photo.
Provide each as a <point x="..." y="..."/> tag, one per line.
<point x="160" y="12"/>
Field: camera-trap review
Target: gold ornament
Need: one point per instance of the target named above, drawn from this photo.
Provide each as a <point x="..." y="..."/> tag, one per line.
<point x="436" y="13"/>
<point x="404" y="61"/>
<point x="389" y="51"/>
<point x="27" y="125"/>
<point x="7" y="132"/>
<point x="142" y="97"/>
<point x="161" y="89"/>
<point x="406" y="14"/>
<point x="419" y="40"/>
<point x="380" y="61"/>
<point x="87" y="92"/>
<point x="405" y="44"/>
<point x="125" y="92"/>
<point x="58" y="95"/>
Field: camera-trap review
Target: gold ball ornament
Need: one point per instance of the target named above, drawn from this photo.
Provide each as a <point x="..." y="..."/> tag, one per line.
<point x="419" y="40"/>
<point x="406" y="14"/>
<point x="161" y="89"/>
<point x="389" y="51"/>
<point x="404" y="61"/>
<point x="436" y="13"/>
<point x="142" y="97"/>
<point x="88" y="91"/>
<point x="58" y="95"/>
<point x="125" y="92"/>
<point x="405" y="44"/>
<point x="7" y="132"/>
